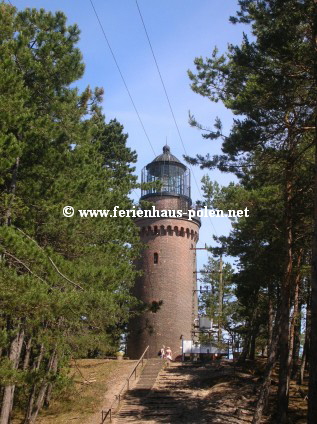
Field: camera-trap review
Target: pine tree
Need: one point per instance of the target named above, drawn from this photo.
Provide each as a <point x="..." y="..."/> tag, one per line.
<point x="64" y="282"/>
<point x="217" y="298"/>
<point x="270" y="82"/>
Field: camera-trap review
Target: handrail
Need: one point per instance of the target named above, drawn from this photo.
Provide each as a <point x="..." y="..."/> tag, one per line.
<point x="105" y="414"/>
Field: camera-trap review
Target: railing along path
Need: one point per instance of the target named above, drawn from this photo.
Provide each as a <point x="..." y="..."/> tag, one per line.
<point x="108" y="413"/>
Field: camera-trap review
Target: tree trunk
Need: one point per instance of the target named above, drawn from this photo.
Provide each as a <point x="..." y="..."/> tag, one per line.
<point x="245" y="349"/>
<point x="295" y="317"/>
<point x="8" y="393"/>
<point x="306" y="344"/>
<point x="296" y="323"/>
<point x="303" y="363"/>
<point x="270" y="318"/>
<point x="254" y="333"/>
<point x="296" y="349"/>
<point x="27" y="354"/>
<point x="36" y="367"/>
<point x="291" y="342"/>
<point x="265" y="388"/>
<point x="312" y="394"/>
<point x="48" y="395"/>
<point x="247" y="345"/>
<point x="284" y="369"/>
<point x="7" y="214"/>
<point x="43" y="389"/>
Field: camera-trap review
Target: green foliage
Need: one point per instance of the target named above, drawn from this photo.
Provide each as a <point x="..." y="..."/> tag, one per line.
<point x="65" y="282"/>
<point x="210" y="297"/>
<point x="210" y="279"/>
<point x="269" y="83"/>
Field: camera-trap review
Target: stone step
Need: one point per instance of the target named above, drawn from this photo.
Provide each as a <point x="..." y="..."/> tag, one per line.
<point x="151" y="402"/>
<point x="159" y="404"/>
<point x="151" y="415"/>
<point x="144" y="404"/>
<point x="159" y="399"/>
<point x="150" y="410"/>
<point x="149" y="377"/>
<point x="151" y="398"/>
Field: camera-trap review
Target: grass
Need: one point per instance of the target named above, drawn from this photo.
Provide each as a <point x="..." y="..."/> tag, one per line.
<point x="85" y="396"/>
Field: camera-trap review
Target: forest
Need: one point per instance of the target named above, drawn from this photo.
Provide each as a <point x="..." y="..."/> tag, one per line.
<point x="65" y="283"/>
<point x="269" y="82"/>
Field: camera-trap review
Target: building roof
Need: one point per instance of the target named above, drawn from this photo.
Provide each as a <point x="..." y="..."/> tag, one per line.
<point x="167" y="156"/>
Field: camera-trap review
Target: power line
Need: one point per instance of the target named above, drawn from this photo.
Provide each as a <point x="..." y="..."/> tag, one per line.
<point x="169" y="103"/>
<point x="122" y="77"/>
<point x="160" y="75"/>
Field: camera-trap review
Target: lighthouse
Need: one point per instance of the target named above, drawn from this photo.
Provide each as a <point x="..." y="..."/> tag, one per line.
<point x="168" y="261"/>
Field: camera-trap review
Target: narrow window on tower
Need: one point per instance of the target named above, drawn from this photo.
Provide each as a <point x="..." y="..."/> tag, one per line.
<point x="155" y="258"/>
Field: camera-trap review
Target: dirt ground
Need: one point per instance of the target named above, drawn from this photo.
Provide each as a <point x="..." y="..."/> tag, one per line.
<point x="223" y="393"/>
<point x="115" y="383"/>
<point x="211" y="393"/>
<point x="97" y="382"/>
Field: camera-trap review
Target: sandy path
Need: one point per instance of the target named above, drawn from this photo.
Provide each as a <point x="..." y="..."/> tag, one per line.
<point x="115" y="383"/>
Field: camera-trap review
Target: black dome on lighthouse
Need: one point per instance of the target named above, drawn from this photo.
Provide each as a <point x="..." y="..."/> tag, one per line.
<point x="167" y="156"/>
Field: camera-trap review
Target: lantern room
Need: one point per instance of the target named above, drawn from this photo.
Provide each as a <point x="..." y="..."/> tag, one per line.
<point x="170" y="172"/>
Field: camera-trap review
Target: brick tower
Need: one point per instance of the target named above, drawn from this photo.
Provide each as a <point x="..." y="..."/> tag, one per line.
<point x="168" y="262"/>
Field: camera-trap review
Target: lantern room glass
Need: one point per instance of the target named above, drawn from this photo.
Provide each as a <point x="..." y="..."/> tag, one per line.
<point x="175" y="179"/>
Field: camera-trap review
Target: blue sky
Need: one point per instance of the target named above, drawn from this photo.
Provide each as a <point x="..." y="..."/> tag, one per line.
<point x="180" y="30"/>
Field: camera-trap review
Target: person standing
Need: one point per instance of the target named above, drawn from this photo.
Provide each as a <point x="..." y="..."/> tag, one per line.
<point x="162" y="354"/>
<point x="168" y="354"/>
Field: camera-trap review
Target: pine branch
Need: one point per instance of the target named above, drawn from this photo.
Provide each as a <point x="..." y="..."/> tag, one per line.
<point x="51" y="260"/>
<point x="64" y="276"/>
<point x="25" y="266"/>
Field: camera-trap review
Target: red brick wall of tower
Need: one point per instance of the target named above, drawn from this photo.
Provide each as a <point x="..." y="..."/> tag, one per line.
<point x="171" y="280"/>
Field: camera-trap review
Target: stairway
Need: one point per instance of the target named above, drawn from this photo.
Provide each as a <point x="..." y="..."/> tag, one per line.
<point x="189" y="394"/>
<point x="155" y="397"/>
<point x="149" y="374"/>
<point x="131" y="406"/>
